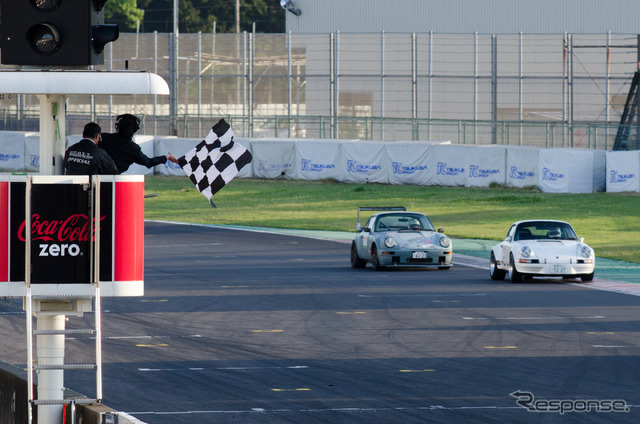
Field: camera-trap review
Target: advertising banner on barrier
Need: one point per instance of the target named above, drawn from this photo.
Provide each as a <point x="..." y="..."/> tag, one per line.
<point x="522" y="166"/>
<point x="12" y="152"/>
<point x="317" y="161"/>
<point x="32" y="151"/>
<point x="623" y="171"/>
<point x="272" y="158"/>
<point x="62" y="230"/>
<point x="484" y="165"/>
<point x="177" y="147"/>
<point x="448" y="164"/>
<point x="363" y="162"/>
<point x="571" y="170"/>
<point x="409" y="163"/>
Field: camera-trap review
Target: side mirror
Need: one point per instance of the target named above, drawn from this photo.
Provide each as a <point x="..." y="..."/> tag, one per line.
<point x="581" y="239"/>
<point x="358" y="227"/>
<point x="366" y="230"/>
<point x="441" y="230"/>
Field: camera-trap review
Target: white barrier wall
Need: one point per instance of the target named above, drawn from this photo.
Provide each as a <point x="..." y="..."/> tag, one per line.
<point x="412" y="162"/>
<point x="12" y="152"/>
<point x="485" y="165"/>
<point x="623" y="171"/>
<point x="409" y="163"/>
<point x="447" y="165"/>
<point x="177" y="147"/>
<point x="272" y="159"/>
<point x="522" y="166"/>
<point x="32" y="151"/>
<point x="571" y="170"/>
<point x="363" y="162"/>
<point x="317" y="161"/>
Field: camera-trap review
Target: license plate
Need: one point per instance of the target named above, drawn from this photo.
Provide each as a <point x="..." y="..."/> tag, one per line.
<point x="558" y="268"/>
<point x="420" y="255"/>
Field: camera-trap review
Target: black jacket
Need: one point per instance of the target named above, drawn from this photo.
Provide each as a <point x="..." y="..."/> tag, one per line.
<point x="125" y="151"/>
<point x="85" y="158"/>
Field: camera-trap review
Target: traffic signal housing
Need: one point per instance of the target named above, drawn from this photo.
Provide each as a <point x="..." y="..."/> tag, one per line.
<point x="54" y="32"/>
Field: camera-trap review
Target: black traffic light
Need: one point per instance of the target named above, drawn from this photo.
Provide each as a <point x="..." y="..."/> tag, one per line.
<point x="54" y="32"/>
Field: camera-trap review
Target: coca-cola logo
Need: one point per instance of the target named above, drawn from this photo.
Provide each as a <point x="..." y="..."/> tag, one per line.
<point x="75" y="228"/>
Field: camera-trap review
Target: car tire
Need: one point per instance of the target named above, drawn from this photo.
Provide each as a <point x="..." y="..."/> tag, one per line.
<point x="514" y="275"/>
<point x="375" y="261"/>
<point x="356" y="261"/>
<point x="587" y="277"/>
<point x="495" y="272"/>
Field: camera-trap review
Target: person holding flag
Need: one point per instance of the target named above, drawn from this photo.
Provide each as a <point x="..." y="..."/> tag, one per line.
<point x="124" y="151"/>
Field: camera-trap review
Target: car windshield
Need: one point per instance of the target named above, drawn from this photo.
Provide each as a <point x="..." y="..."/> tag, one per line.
<point x="403" y="221"/>
<point x="541" y="230"/>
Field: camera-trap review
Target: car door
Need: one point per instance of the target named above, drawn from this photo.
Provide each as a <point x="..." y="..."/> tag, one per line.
<point x="507" y="245"/>
<point x="363" y="240"/>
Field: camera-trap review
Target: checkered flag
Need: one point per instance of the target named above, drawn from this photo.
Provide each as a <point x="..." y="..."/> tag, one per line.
<point x="215" y="160"/>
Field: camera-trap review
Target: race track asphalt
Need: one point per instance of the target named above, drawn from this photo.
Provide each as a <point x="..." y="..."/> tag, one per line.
<point x="246" y="326"/>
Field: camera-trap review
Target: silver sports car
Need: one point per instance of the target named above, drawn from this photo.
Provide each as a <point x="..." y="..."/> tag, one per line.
<point x="399" y="238"/>
<point x="541" y="248"/>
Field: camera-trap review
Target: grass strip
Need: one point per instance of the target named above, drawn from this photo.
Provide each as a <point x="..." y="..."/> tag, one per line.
<point x="609" y="222"/>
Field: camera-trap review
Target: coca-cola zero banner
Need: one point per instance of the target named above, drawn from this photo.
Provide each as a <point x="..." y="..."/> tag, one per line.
<point x="61" y="233"/>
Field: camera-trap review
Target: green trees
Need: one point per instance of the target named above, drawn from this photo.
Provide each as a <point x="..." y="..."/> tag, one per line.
<point x="196" y="15"/>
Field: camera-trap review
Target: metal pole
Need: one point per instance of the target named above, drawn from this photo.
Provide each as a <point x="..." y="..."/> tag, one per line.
<point x="110" y="47"/>
<point x="96" y="282"/>
<point x="250" y="87"/>
<point x="607" y="88"/>
<point x="429" y="82"/>
<point x="414" y="85"/>
<point x="50" y="351"/>
<point x="571" y="90"/>
<point x="381" y="85"/>
<point x="475" y="86"/>
<point x="520" y="88"/>
<point x="494" y="89"/>
<point x="289" y="85"/>
<point x="336" y="82"/>
<point x="199" y="82"/>
<point x="28" y="299"/>
<point x="173" y="79"/>
<point x="332" y="82"/>
<point x="155" y="71"/>
<point x="237" y="16"/>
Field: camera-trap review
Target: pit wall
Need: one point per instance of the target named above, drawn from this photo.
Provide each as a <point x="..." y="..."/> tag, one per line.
<point x="13" y="402"/>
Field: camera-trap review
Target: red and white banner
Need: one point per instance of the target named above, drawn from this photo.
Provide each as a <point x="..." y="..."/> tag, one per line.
<point x="62" y="230"/>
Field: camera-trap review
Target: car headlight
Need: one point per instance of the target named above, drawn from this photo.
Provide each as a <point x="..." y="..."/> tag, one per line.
<point x="390" y="242"/>
<point x="445" y="241"/>
<point x="526" y="252"/>
<point x="585" y="251"/>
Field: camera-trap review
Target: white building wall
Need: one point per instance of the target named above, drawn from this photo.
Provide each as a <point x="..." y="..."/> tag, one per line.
<point x="464" y="16"/>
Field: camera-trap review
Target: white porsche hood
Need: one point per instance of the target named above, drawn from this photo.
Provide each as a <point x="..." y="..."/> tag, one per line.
<point x="554" y="251"/>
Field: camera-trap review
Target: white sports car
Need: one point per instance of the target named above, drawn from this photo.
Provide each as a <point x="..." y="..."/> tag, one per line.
<point x="542" y="248"/>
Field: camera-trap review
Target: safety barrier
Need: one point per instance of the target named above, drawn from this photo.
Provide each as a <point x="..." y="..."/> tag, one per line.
<point x="559" y="170"/>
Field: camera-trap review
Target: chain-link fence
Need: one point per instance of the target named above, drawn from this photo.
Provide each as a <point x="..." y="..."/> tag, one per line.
<point x="546" y="90"/>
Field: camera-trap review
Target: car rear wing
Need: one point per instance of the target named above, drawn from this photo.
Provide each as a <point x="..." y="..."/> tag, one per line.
<point x="377" y="208"/>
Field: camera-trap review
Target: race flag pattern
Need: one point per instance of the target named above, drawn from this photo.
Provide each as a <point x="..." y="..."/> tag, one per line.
<point x="215" y="161"/>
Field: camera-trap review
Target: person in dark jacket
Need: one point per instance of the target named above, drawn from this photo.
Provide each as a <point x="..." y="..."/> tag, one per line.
<point x="86" y="158"/>
<point x="124" y="150"/>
